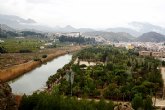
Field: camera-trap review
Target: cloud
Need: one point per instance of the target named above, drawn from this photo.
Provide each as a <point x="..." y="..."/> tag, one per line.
<point x="87" y="13"/>
<point x="39" y="1"/>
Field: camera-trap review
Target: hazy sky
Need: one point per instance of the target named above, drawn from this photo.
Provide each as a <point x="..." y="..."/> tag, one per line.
<point x="87" y="13"/>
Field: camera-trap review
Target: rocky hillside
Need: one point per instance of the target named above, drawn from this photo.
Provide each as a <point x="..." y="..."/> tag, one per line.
<point x="7" y="100"/>
<point x="4" y="27"/>
<point x="126" y="30"/>
<point x="6" y="31"/>
<point x="112" y="36"/>
<point x="151" y="37"/>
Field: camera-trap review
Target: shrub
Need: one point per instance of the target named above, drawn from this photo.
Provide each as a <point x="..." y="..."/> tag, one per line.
<point x="37" y="59"/>
<point x="137" y="102"/>
<point x="3" y="50"/>
<point x="44" y="56"/>
<point x="44" y="101"/>
<point x="25" y="51"/>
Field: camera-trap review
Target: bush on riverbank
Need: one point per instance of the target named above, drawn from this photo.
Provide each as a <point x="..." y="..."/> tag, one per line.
<point x="44" y="56"/>
<point x="25" y="51"/>
<point x="37" y="59"/>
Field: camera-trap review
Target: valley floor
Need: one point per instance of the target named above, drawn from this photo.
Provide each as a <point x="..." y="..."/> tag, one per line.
<point x="13" y="65"/>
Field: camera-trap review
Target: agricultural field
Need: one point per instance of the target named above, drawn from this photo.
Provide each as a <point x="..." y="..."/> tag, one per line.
<point x="13" y="45"/>
<point x="18" y="51"/>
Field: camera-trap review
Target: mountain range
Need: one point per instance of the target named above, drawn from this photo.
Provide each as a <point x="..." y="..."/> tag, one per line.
<point x="126" y="30"/>
<point x="112" y="36"/>
<point x="30" y="24"/>
<point x="135" y="28"/>
<point x="136" y="31"/>
<point x="4" y="27"/>
<point x="151" y="37"/>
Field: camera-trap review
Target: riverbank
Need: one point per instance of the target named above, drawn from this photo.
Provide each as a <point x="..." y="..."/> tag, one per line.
<point x="18" y="70"/>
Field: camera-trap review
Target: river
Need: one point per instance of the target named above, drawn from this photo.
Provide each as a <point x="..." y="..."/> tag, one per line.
<point x="36" y="79"/>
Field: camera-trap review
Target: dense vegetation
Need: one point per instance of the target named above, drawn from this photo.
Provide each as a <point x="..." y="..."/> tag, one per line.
<point x="122" y="75"/>
<point x="2" y="49"/>
<point x="44" y="101"/>
<point x="80" y="40"/>
<point x="119" y="74"/>
<point x="31" y="33"/>
<point x="5" y="34"/>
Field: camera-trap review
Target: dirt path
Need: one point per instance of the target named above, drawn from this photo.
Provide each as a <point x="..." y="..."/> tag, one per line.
<point x="163" y="76"/>
<point x="161" y="102"/>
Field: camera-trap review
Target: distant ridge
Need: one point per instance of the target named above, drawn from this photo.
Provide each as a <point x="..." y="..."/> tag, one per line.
<point x="153" y="33"/>
<point x="69" y="28"/>
<point x="151" y="37"/>
<point x="126" y="30"/>
<point x="4" y="27"/>
<point x="120" y="36"/>
<point x="6" y="31"/>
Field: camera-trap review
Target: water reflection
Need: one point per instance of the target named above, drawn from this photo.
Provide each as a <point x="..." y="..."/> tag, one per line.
<point x="36" y="79"/>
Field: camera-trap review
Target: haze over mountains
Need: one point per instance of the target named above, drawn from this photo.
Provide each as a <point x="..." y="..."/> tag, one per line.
<point x="135" y="29"/>
<point x="151" y="37"/>
<point x="5" y="27"/>
<point x="112" y="36"/>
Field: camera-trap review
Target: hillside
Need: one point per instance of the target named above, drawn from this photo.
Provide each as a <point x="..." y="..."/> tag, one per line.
<point x="151" y="37"/>
<point x="19" y="23"/>
<point x="6" y="31"/>
<point x="120" y="36"/>
<point x="16" y="22"/>
<point x="7" y="99"/>
<point x="126" y="30"/>
<point x="4" y="27"/>
<point x="143" y="27"/>
<point x="69" y="28"/>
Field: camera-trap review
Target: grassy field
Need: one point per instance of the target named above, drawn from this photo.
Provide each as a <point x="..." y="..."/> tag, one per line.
<point x="15" y="44"/>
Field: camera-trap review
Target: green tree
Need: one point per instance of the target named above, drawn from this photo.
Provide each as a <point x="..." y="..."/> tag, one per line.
<point x="148" y="103"/>
<point x="137" y="102"/>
